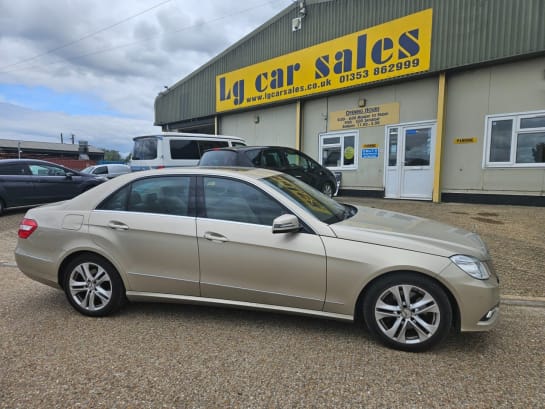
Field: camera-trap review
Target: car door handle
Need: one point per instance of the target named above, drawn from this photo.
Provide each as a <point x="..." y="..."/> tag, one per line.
<point x="118" y="226"/>
<point x="215" y="237"/>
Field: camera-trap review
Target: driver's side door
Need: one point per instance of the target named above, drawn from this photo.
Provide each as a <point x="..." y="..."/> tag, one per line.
<point x="241" y="259"/>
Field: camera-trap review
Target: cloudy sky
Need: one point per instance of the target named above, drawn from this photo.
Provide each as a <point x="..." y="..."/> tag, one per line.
<point x="92" y="68"/>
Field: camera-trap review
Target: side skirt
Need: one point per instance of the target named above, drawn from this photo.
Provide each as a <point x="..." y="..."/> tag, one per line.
<point x="183" y="299"/>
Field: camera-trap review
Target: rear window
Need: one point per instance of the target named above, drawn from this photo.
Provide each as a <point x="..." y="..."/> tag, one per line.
<point x="219" y="158"/>
<point x="145" y="149"/>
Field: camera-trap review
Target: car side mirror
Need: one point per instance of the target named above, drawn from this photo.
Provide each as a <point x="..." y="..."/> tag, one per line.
<point x="286" y="223"/>
<point x="69" y="175"/>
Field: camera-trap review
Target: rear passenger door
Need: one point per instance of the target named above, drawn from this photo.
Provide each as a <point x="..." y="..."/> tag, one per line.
<point x="150" y="226"/>
<point x="17" y="184"/>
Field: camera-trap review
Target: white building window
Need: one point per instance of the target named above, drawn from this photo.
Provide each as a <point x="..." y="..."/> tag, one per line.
<point x="338" y="150"/>
<point x="516" y="140"/>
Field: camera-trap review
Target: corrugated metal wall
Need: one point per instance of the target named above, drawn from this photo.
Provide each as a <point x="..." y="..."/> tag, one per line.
<point x="465" y="32"/>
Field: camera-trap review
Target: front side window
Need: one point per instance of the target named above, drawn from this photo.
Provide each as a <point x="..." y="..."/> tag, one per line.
<point x="338" y="150"/>
<point x="46" y="170"/>
<point x="516" y="140"/>
<point x="295" y="159"/>
<point x="233" y="200"/>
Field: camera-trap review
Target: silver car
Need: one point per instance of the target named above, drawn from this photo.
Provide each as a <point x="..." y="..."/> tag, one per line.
<point x="260" y="239"/>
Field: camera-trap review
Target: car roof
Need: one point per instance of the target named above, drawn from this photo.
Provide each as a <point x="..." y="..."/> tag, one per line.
<point x="249" y="148"/>
<point x="22" y="160"/>
<point x="91" y="200"/>
<point x="188" y="135"/>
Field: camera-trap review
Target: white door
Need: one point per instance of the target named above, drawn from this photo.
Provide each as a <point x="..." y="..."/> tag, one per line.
<point x="409" y="163"/>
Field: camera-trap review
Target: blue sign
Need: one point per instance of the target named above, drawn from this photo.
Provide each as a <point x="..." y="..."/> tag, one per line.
<point x="369" y="153"/>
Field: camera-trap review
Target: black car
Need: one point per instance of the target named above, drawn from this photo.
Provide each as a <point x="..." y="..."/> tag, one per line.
<point x="283" y="159"/>
<point x="29" y="182"/>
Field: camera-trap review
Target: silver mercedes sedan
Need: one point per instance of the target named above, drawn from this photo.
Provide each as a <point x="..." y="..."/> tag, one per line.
<point x="260" y="239"/>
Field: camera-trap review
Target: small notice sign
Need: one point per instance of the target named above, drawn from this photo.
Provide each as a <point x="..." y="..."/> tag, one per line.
<point x="369" y="153"/>
<point x="460" y="141"/>
<point x="365" y="117"/>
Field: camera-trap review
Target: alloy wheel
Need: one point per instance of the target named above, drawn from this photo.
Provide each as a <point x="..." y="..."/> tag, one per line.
<point x="90" y="286"/>
<point x="407" y="314"/>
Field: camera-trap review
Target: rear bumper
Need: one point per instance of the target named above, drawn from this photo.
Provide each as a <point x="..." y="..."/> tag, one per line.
<point x="38" y="269"/>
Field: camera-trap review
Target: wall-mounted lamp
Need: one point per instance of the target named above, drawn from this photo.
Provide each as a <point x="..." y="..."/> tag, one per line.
<point x="256" y="119"/>
<point x="362" y="102"/>
<point x="297" y="22"/>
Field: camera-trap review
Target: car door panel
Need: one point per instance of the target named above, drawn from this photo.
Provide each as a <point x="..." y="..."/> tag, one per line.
<point x="247" y="262"/>
<point x="158" y="252"/>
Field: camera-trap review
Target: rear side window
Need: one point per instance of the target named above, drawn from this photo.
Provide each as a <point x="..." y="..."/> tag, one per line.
<point x="145" y="149"/>
<point x="219" y="158"/>
<point x="180" y="149"/>
<point x="162" y="195"/>
<point x="14" y="169"/>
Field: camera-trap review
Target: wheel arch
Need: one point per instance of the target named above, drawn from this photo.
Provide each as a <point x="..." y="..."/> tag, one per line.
<point x="69" y="257"/>
<point x="358" y="312"/>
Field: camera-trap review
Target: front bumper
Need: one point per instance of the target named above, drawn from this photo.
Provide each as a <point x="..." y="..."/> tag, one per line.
<point x="478" y="300"/>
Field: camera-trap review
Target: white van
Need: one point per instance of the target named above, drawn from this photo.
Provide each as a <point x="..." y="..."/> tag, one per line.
<point x="175" y="149"/>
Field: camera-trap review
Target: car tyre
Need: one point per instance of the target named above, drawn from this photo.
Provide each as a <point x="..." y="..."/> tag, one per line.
<point x="327" y="189"/>
<point x="407" y="311"/>
<point x="2" y="207"/>
<point x="93" y="285"/>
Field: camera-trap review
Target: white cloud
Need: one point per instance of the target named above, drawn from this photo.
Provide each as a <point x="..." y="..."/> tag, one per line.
<point x="125" y="66"/>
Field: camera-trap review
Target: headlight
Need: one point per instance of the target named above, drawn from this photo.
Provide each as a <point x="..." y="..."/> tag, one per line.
<point x="472" y="266"/>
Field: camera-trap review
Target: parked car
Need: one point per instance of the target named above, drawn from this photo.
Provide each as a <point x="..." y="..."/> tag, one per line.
<point x="260" y="239"/>
<point x="283" y="159"/>
<point x="28" y="182"/>
<point x="170" y="149"/>
<point x="107" y="170"/>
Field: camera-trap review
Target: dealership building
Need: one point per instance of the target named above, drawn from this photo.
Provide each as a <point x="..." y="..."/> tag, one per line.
<point x="439" y="100"/>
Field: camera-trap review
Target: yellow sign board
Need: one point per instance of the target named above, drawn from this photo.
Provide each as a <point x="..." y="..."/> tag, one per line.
<point x="396" y="48"/>
<point x="366" y="117"/>
<point x="369" y="145"/>
<point x="460" y="141"/>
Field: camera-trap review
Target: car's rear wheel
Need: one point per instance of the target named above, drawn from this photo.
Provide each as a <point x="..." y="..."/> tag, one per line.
<point x="327" y="189"/>
<point x="93" y="285"/>
<point x="407" y="311"/>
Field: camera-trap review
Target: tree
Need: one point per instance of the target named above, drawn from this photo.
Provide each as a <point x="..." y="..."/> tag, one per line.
<point x="111" y="155"/>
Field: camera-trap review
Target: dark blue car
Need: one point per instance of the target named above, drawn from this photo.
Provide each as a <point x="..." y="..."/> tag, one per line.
<point x="29" y="182"/>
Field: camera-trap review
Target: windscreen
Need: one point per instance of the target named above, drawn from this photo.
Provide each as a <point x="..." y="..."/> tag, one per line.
<point x="321" y="206"/>
<point x="219" y="158"/>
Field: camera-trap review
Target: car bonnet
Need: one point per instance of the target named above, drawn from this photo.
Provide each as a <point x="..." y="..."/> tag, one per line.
<point x="414" y="233"/>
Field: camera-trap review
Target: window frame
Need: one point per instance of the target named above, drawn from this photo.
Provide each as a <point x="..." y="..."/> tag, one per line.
<point x="515" y="133"/>
<point x="342" y="135"/>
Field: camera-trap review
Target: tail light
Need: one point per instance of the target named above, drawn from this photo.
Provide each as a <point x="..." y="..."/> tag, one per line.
<point x="27" y="227"/>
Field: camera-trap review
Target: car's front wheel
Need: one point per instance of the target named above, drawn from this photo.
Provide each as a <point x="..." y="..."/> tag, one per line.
<point x="407" y="311"/>
<point x="93" y="285"/>
<point x="327" y="189"/>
